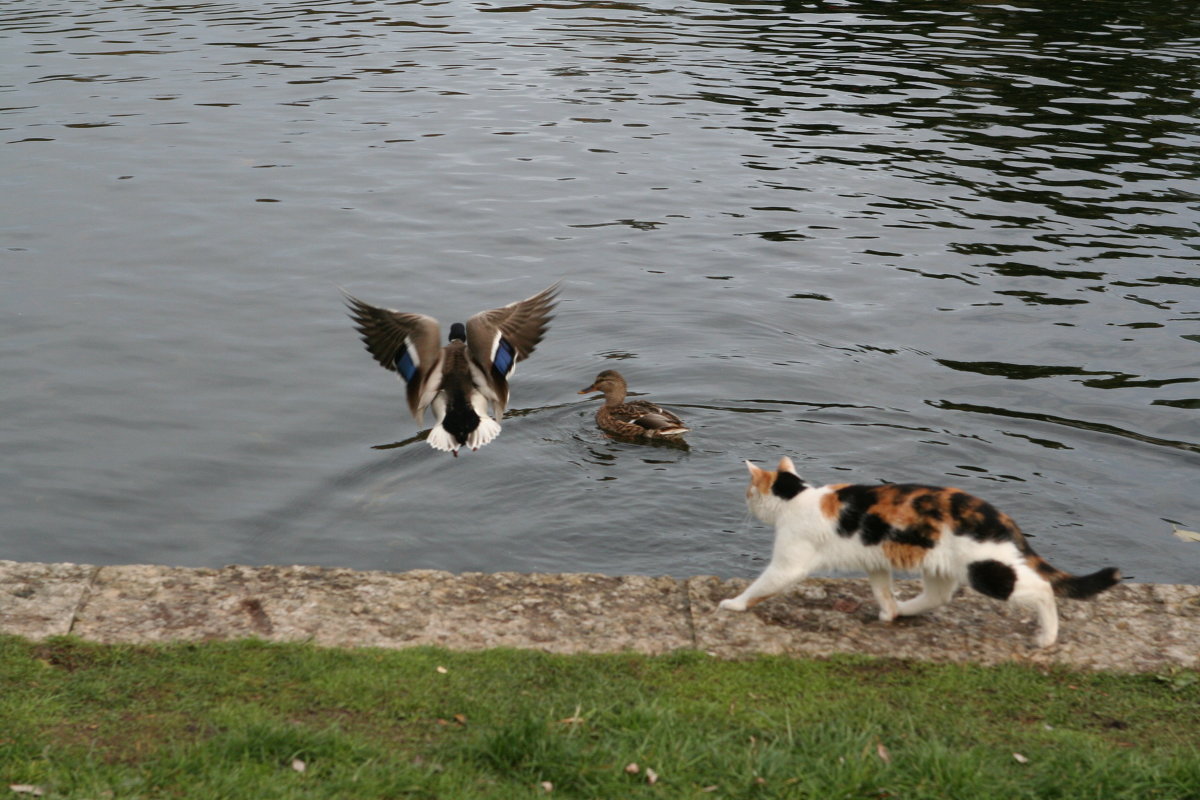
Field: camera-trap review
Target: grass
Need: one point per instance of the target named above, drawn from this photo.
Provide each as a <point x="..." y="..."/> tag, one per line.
<point x="240" y="720"/>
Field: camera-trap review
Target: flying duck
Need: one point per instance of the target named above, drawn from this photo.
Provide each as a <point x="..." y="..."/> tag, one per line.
<point x="634" y="419"/>
<point x="462" y="378"/>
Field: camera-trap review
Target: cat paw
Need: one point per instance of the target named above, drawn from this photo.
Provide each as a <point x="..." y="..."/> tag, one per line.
<point x="887" y="616"/>
<point x="732" y="604"/>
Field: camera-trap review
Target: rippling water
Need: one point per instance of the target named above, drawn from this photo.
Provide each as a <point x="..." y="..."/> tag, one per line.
<point x="943" y="242"/>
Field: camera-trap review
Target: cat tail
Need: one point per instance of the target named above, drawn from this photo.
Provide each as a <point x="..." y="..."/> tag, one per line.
<point x="1079" y="587"/>
<point x="1064" y="584"/>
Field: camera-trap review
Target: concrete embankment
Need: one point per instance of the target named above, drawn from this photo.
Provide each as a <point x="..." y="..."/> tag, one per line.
<point x="1131" y="628"/>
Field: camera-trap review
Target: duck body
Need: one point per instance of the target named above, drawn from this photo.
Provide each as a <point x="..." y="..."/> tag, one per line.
<point x="639" y="419"/>
<point x="465" y="382"/>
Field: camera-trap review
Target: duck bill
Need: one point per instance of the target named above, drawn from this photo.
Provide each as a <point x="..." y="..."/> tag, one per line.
<point x="588" y="390"/>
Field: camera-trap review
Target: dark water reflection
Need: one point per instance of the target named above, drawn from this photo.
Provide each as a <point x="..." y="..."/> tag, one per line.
<point x="943" y="242"/>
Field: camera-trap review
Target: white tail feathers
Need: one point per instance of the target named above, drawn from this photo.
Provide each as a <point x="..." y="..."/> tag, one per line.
<point x="441" y="439"/>
<point x="484" y="432"/>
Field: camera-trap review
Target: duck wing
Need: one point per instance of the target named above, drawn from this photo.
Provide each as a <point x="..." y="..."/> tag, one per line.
<point x="499" y="338"/>
<point x="654" y="418"/>
<point x="402" y="342"/>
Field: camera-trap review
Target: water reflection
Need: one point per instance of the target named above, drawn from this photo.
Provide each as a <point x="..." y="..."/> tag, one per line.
<point x="1097" y="427"/>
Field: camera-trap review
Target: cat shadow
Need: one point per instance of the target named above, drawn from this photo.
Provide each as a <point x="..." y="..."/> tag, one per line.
<point x="793" y="610"/>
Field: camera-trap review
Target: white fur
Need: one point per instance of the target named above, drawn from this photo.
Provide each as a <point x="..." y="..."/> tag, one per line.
<point x="806" y="541"/>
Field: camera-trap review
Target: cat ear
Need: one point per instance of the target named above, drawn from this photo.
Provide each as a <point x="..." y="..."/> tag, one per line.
<point x="753" y="469"/>
<point x="786" y="465"/>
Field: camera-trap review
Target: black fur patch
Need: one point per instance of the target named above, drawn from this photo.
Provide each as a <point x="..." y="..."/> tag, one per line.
<point x="786" y="485"/>
<point x="855" y="502"/>
<point x="979" y="519"/>
<point x="992" y="578"/>
<point x="874" y="529"/>
<point x="919" y="535"/>
<point x="1083" y="586"/>
<point x="927" y="506"/>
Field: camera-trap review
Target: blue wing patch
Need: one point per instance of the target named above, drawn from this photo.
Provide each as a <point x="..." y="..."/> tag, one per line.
<point x="505" y="356"/>
<point x="405" y="364"/>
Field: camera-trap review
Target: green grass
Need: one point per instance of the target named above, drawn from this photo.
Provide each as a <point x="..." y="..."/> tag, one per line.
<point x="227" y="720"/>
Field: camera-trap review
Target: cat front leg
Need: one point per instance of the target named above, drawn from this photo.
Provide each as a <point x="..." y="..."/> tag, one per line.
<point x="774" y="579"/>
<point x="881" y="586"/>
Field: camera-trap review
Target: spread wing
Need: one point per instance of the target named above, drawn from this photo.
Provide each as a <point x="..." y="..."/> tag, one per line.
<point x="499" y="338"/>
<point x="404" y="343"/>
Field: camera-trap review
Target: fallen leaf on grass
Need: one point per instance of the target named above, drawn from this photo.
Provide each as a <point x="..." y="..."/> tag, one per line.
<point x="651" y="776"/>
<point x="27" y="788"/>
<point x="1020" y="758"/>
<point x="883" y="753"/>
<point x="547" y="785"/>
<point x="442" y="669"/>
<point x="632" y="768"/>
<point x="298" y="765"/>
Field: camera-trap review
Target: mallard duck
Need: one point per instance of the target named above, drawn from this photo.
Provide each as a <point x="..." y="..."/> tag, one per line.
<point x="637" y="418"/>
<point x="462" y="378"/>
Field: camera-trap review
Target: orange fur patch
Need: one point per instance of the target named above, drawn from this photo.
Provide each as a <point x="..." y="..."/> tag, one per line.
<point x="831" y="506"/>
<point x="1041" y="566"/>
<point x="970" y="513"/>
<point x="761" y="479"/>
<point x="1007" y="522"/>
<point x="898" y="507"/>
<point x="904" y="556"/>
<point x="894" y="507"/>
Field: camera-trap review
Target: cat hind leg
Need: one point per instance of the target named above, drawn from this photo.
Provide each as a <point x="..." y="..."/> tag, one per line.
<point x="1034" y="592"/>
<point x="881" y="586"/>
<point x="936" y="590"/>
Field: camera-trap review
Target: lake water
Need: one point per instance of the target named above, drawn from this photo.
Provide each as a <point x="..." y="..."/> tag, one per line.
<point x="945" y="242"/>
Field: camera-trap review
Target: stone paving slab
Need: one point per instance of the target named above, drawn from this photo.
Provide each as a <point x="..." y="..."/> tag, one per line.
<point x="40" y="600"/>
<point x="342" y="607"/>
<point x="1133" y="627"/>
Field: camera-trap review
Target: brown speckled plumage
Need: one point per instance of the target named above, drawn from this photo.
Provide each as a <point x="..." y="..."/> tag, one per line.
<point x="635" y="418"/>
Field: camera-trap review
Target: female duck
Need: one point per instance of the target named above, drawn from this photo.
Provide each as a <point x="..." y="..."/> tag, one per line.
<point x="461" y="379"/>
<point x="634" y="419"/>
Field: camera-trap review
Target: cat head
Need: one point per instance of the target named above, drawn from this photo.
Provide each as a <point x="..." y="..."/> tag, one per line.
<point x="769" y="490"/>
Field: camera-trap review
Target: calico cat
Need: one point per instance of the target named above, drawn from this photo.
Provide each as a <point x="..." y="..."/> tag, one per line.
<point x="949" y="535"/>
